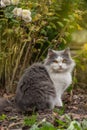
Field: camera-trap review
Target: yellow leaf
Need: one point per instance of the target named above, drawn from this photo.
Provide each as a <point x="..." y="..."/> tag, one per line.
<point x="50" y="14"/>
<point x="45" y="10"/>
<point x="78" y="16"/>
<point x="79" y="27"/>
<point x="85" y="47"/>
<point x="37" y="17"/>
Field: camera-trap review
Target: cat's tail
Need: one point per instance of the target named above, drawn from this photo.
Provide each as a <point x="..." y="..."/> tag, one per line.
<point x="5" y="104"/>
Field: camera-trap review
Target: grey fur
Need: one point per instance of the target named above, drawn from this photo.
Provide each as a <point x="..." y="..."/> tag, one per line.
<point x="42" y="85"/>
<point x="52" y="55"/>
<point x="3" y="104"/>
<point x="35" y="89"/>
<point x="64" y="54"/>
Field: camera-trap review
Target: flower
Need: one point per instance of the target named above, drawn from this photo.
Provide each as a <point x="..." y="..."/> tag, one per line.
<point x="27" y="19"/>
<point x="6" y="2"/>
<point x="14" y="2"/>
<point x="17" y="12"/>
<point x="26" y="15"/>
<point x="2" y="4"/>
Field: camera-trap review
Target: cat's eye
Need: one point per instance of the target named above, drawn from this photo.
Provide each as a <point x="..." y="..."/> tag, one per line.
<point x="64" y="61"/>
<point x="55" y="61"/>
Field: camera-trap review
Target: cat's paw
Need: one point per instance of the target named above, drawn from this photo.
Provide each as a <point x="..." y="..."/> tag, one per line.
<point x="59" y="103"/>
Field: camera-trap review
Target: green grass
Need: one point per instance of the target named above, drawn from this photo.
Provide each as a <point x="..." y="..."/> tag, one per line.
<point x="3" y="117"/>
<point x="66" y="124"/>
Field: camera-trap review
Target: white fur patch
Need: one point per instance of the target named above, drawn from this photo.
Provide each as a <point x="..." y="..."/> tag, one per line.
<point x="56" y="66"/>
<point x="60" y="74"/>
<point x="59" y="59"/>
<point x="61" y="83"/>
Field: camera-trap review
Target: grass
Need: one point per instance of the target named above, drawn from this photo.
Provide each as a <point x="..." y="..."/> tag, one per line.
<point x="66" y="124"/>
<point x="61" y="122"/>
<point x="3" y="117"/>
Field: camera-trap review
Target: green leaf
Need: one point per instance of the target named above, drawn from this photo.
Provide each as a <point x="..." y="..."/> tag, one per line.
<point x="59" y="111"/>
<point x="71" y="17"/>
<point x="69" y="89"/>
<point x="34" y="127"/>
<point x="74" y="125"/>
<point x="61" y="24"/>
<point x="66" y="20"/>
<point x="8" y="15"/>
<point x="48" y="126"/>
<point x="15" y="21"/>
<point x="43" y="32"/>
<point x="53" y="25"/>
<point x="29" y="121"/>
<point x="3" y="117"/>
<point x="84" y="124"/>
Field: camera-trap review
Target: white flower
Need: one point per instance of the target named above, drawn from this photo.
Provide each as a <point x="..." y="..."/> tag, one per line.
<point x="26" y="15"/>
<point x="15" y="2"/>
<point x="27" y="19"/>
<point x="6" y="2"/>
<point x="17" y="12"/>
<point x="2" y="4"/>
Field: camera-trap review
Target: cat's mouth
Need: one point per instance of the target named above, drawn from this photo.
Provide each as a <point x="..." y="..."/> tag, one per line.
<point x="60" y="69"/>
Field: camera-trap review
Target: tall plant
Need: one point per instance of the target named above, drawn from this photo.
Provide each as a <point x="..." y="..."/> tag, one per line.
<point x="23" y="43"/>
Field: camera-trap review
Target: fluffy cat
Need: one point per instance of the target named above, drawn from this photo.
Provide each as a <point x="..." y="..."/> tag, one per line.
<point x="42" y="85"/>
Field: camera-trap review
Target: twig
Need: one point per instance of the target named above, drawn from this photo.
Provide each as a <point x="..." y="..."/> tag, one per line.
<point x="71" y="94"/>
<point x="14" y="124"/>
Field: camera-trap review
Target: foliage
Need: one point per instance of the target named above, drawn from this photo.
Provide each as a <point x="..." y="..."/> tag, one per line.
<point x="29" y="121"/>
<point x="84" y="124"/>
<point x="59" y="111"/>
<point x="3" y="117"/>
<point x="67" y="124"/>
<point x="23" y="43"/>
<point x="74" y="126"/>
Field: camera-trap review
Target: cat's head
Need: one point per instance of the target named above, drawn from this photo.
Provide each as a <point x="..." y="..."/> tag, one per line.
<point x="59" y="61"/>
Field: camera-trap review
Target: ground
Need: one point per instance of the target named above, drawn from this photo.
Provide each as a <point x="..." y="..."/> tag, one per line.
<point x="75" y="106"/>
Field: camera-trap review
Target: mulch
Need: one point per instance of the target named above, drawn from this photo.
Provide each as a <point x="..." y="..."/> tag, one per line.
<point x="75" y="106"/>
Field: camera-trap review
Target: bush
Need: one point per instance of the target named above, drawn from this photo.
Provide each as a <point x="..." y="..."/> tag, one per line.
<point x="23" y="43"/>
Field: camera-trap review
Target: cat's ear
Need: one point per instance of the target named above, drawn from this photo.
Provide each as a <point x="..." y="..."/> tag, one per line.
<point x="50" y="52"/>
<point x="67" y="51"/>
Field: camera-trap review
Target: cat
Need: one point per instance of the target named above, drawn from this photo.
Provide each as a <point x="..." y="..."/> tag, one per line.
<point x="43" y="84"/>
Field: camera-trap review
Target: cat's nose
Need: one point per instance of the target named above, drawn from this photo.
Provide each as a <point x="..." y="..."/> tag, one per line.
<point x="60" y="66"/>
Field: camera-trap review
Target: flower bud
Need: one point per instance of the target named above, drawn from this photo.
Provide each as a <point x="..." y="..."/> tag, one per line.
<point x="6" y="2"/>
<point x="26" y="15"/>
<point x="15" y="2"/>
<point x="2" y="4"/>
<point x="17" y="12"/>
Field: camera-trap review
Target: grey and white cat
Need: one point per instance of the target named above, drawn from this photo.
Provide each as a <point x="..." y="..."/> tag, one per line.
<point x="42" y="85"/>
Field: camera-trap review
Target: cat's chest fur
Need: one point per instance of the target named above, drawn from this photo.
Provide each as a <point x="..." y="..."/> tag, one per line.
<point x="61" y="81"/>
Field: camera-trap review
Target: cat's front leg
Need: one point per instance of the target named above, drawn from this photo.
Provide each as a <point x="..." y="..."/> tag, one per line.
<point x="59" y="102"/>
